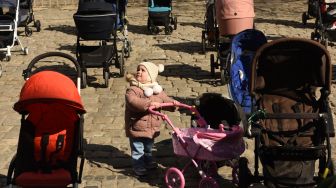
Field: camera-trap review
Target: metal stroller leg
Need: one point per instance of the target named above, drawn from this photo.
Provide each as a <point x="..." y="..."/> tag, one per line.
<point x="24" y="49"/>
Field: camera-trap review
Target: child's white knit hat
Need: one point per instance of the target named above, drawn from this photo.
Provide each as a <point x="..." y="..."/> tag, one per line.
<point x="153" y="70"/>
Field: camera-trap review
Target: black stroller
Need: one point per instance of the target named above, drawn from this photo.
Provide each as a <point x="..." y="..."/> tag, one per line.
<point x="98" y="21"/>
<point x="325" y="20"/>
<point x="160" y="14"/>
<point x="26" y="16"/>
<point x="291" y="120"/>
<point x="210" y="33"/>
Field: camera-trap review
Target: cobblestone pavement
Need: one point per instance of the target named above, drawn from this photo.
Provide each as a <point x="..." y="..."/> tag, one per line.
<point x="186" y="76"/>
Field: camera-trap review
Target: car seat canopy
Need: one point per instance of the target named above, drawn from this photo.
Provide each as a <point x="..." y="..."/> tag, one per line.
<point x="49" y="87"/>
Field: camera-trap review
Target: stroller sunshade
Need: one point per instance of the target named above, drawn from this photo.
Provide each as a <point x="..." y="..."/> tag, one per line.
<point x="49" y="87"/>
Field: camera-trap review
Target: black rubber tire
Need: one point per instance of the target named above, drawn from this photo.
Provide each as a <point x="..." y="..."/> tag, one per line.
<point x="175" y="23"/>
<point x="243" y="173"/>
<point x="28" y="31"/>
<point x="203" y="42"/>
<point x="37" y="24"/>
<point x="223" y="76"/>
<point x="304" y="18"/>
<point x="212" y="65"/>
<point x="106" y="78"/>
<point x="84" y="79"/>
<point x="122" y="64"/>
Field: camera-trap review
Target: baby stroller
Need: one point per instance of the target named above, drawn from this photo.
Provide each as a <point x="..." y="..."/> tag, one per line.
<point x="160" y="14"/>
<point x="210" y="31"/>
<point x="26" y="16"/>
<point x="291" y="120"/>
<point x="9" y="16"/>
<point x="325" y="20"/>
<point x="98" y="21"/>
<point x="238" y="65"/>
<point x="232" y="17"/>
<point x="51" y="132"/>
<point x="204" y="146"/>
<point x="122" y="23"/>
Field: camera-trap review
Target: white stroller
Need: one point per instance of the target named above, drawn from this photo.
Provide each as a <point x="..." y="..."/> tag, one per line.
<point x="9" y="13"/>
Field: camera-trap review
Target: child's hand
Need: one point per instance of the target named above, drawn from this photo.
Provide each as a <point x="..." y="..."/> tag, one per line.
<point x="156" y="104"/>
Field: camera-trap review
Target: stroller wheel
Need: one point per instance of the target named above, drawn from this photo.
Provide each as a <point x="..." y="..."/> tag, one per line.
<point x="224" y="76"/>
<point x="8" y="58"/>
<point x="203" y="42"/>
<point x="244" y="173"/>
<point x="174" y="178"/>
<point x="84" y="79"/>
<point x="175" y="23"/>
<point x="106" y="78"/>
<point x="25" y="51"/>
<point x="168" y="30"/>
<point x="121" y="62"/>
<point x="37" y="24"/>
<point x="0" y="70"/>
<point x="28" y="31"/>
<point x="212" y="65"/>
<point x="304" y="18"/>
<point x="208" y="182"/>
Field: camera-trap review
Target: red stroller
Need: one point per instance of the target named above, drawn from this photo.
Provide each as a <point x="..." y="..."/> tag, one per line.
<point x="204" y="146"/>
<point x="51" y="132"/>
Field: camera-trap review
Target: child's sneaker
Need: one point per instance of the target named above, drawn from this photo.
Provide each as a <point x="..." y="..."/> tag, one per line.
<point x="140" y="171"/>
<point x="151" y="166"/>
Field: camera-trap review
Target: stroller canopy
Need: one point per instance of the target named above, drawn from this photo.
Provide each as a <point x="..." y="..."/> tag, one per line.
<point x="290" y="63"/>
<point x="97" y="6"/>
<point x="49" y="87"/>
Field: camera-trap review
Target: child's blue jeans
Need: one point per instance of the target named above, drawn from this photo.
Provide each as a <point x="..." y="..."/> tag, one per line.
<point x="141" y="151"/>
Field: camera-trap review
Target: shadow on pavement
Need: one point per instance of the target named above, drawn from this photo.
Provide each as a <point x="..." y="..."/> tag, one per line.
<point x="138" y="29"/>
<point x="67" y="29"/>
<point x="290" y="23"/>
<point x="200" y="25"/>
<point x="191" y="72"/>
<point x="2" y="180"/>
<point x="191" y="47"/>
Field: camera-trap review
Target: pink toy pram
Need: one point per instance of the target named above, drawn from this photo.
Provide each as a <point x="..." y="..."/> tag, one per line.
<point x="204" y="146"/>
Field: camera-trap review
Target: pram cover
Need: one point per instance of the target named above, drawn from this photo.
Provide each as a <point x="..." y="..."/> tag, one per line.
<point x="243" y="48"/>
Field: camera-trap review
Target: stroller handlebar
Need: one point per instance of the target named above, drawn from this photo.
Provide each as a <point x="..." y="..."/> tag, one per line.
<point x="201" y="122"/>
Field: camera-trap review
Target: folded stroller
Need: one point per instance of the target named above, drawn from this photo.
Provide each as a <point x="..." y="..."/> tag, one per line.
<point x="204" y="146"/>
<point x="210" y="30"/>
<point x="26" y="16"/>
<point x="51" y="132"/>
<point x="9" y="16"/>
<point x="236" y="69"/>
<point x="291" y="120"/>
<point x="325" y="20"/>
<point x="98" y="21"/>
<point x="232" y="17"/>
<point x="160" y="14"/>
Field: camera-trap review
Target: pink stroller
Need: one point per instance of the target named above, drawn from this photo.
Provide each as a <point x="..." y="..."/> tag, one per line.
<point x="204" y="146"/>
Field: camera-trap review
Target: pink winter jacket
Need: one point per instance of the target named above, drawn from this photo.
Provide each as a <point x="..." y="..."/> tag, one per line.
<point x="138" y="121"/>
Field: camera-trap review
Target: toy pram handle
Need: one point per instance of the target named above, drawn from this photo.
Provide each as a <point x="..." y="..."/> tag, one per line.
<point x="28" y="72"/>
<point x="199" y="118"/>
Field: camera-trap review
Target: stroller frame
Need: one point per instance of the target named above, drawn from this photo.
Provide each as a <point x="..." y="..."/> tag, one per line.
<point x="6" y="26"/>
<point x="321" y="32"/>
<point x="106" y="60"/>
<point x="28" y="4"/>
<point x="321" y="150"/>
<point x="210" y="13"/>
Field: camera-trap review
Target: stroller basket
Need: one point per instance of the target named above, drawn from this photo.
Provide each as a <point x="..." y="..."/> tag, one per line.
<point x="229" y="147"/>
<point x="95" y="56"/>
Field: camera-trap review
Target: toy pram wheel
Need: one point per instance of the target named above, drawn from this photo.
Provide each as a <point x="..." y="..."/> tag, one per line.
<point x="304" y="18"/>
<point x="37" y="24"/>
<point x="0" y="70"/>
<point x="224" y="76"/>
<point x="208" y="182"/>
<point x="106" y="78"/>
<point x="212" y="65"/>
<point x="28" y="31"/>
<point x="148" y="24"/>
<point x="25" y="51"/>
<point x="203" y="41"/>
<point x="175" y="23"/>
<point x="84" y="79"/>
<point x="174" y="178"/>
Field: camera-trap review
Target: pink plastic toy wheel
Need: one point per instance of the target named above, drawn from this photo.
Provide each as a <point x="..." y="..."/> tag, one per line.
<point x="174" y="178"/>
<point x="208" y="182"/>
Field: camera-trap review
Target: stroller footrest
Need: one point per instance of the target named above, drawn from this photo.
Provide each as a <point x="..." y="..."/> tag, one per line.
<point x="284" y="153"/>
